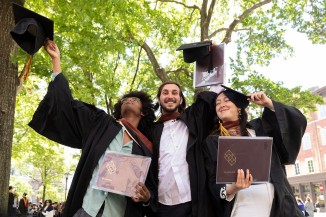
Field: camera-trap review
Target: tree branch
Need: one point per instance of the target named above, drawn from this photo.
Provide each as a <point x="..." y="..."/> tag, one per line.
<point x="237" y="20"/>
<point x="160" y="72"/>
<point x="181" y="3"/>
<point x="181" y="69"/>
<point x="205" y="18"/>
<point x="225" y="29"/>
<point x="137" y="67"/>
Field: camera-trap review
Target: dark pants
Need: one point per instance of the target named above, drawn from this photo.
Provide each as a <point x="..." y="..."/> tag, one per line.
<point x="81" y="213"/>
<point x="179" y="210"/>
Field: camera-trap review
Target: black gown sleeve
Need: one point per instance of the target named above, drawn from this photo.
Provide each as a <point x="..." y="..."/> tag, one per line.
<point x="201" y="114"/>
<point x="287" y="126"/>
<point x="61" y="118"/>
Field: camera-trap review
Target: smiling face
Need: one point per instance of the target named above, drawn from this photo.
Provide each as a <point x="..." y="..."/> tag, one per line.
<point x="226" y="110"/>
<point x="170" y="98"/>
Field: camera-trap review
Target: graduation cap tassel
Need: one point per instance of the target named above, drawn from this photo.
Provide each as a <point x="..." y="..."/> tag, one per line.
<point x="223" y="131"/>
<point x="24" y="73"/>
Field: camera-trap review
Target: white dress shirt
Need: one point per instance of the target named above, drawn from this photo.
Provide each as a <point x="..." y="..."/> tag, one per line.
<point x="174" y="182"/>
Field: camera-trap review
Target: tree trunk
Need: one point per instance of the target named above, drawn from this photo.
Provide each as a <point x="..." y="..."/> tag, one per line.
<point x="8" y="88"/>
<point x="43" y="195"/>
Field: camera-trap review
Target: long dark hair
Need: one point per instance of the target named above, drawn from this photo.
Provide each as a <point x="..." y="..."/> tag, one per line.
<point x="243" y="118"/>
<point x="182" y="106"/>
<point x="147" y="109"/>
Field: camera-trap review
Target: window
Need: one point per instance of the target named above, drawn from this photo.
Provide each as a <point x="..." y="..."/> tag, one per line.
<point x="306" y="141"/>
<point x="297" y="168"/>
<point x="310" y="164"/>
<point x="323" y="136"/>
<point x="321" y="111"/>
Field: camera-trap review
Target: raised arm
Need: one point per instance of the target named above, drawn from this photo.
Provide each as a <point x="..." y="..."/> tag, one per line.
<point x="59" y="117"/>
<point x="202" y="115"/>
<point x="54" y="52"/>
<point x="285" y="124"/>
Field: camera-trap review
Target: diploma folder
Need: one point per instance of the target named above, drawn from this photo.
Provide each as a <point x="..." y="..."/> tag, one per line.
<point x="120" y="173"/>
<point x="239" y="152"/>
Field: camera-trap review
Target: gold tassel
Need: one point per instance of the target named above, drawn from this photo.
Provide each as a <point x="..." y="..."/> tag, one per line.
<point x="24" y="73"/>
<point x="223" y="131"/>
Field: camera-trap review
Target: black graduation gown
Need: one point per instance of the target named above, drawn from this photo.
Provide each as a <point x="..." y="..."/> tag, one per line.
<point x="11" y="203"/>
<point x="23" y="209"/>
<point x="79" y="125"/>
<point x="286" y="125"/>
<point x="199" y="118"/>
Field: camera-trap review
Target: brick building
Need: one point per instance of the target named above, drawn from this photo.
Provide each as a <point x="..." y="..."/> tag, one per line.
<point x="308" y="176"/>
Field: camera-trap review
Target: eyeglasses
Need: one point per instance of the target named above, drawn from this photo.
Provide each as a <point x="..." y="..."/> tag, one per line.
<point x="132" y="99"/>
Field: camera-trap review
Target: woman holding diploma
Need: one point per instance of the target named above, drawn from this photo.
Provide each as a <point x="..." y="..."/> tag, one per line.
<point x="286" y="125"/>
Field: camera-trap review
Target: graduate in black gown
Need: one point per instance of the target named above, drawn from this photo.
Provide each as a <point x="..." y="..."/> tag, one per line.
<point x="76" y="124"/>
<point x="286" y="125"/>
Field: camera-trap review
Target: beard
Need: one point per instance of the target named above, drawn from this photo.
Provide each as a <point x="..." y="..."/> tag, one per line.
<point x="169" y="110"/>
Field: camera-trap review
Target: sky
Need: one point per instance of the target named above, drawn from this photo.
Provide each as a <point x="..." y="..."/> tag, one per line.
<point x="306" y="68"/>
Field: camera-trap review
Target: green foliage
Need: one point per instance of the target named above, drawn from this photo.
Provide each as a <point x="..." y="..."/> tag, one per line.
<point x="100" y="43"/>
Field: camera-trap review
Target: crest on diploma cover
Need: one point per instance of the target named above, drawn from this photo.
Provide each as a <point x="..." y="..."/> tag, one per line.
<point x="230" y="157"/>
<point x="119" y="173"/>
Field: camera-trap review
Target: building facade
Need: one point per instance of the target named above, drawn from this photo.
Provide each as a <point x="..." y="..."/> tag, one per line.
<point x="308" y="175"/>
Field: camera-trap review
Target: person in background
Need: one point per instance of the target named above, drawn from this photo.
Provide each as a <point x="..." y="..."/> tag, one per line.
<point x="286" y="125"/>
<point x="11" y="201"/>
<point x="16" y="203"/>
<point x="300" y="205"/>
<point x="23" y="205"/>
<point x="317" y="204"/>
<point x="48" y="209"/>
<point x="309" y="206"/>
<point x="55" y="209"/>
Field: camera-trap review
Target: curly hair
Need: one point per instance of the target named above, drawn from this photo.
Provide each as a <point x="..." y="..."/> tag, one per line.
<point x="181" y="107"/>
<point x="147" y="109"/>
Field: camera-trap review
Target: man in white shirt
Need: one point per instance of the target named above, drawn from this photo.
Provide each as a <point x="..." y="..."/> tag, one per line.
<point x="177" y="137"/>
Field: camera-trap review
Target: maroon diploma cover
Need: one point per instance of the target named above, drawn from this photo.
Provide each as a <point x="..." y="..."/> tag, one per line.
<point x="119" y="173"/>
<point x="253" y="153"/>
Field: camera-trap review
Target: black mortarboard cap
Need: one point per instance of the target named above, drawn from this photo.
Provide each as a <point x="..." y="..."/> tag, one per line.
<point x="30" y="32"/>
<point x="239" y="99"/>
<point x="195" y="51"/>
<point x="31" y="29"/>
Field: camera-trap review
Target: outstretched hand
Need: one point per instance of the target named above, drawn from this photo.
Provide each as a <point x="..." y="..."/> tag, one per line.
<point x="261" y="99"/>
<point x="142" y="194"/>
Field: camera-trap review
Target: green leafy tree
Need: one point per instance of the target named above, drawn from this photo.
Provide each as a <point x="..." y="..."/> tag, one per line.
<point x="110" y="47"/>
